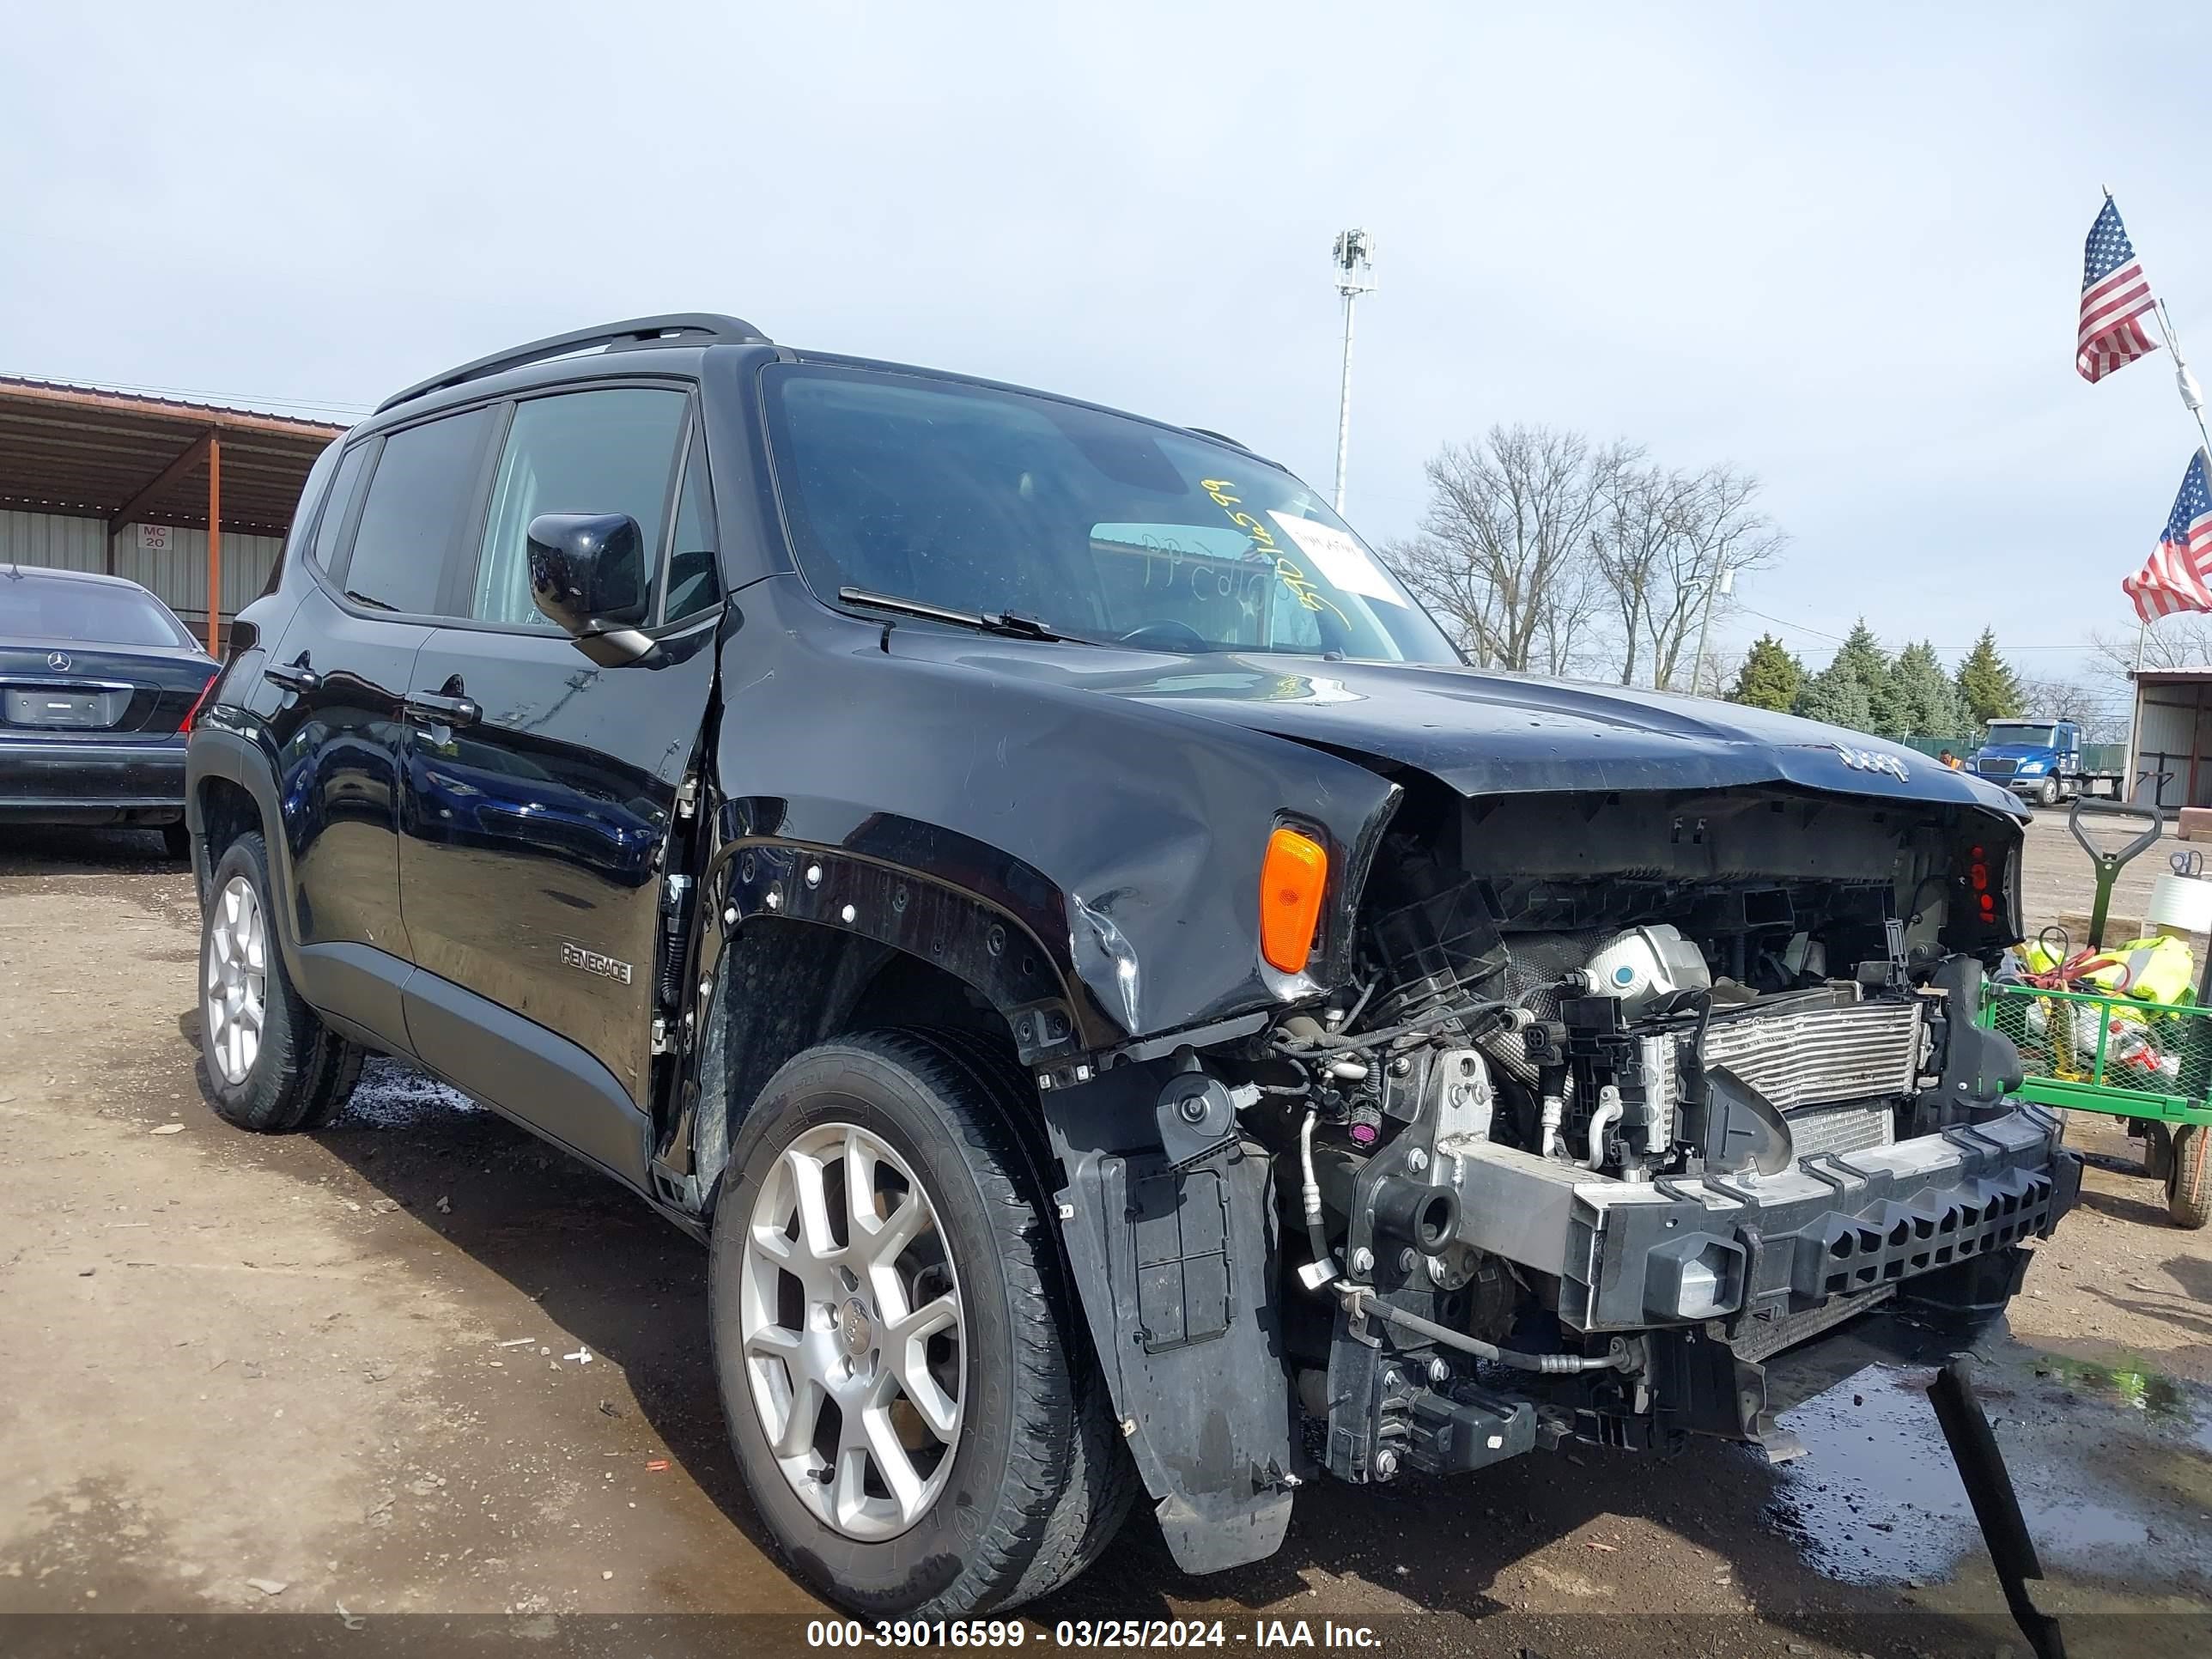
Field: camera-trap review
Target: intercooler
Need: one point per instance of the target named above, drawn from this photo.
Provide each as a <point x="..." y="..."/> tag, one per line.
<point x="1832" y="1071"/>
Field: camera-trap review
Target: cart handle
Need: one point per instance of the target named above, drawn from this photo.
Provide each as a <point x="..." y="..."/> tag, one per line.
<point x="2115" y="809"/>
<point x="2108" y="864"/>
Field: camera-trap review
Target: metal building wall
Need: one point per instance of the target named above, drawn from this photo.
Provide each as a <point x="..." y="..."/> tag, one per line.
<point x="51" y="539"/>
<point x="2168" y="725"/>
<point x="177" y="576"/>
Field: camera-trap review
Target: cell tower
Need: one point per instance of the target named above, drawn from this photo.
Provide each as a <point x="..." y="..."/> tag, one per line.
<point x="1354" y="260"/>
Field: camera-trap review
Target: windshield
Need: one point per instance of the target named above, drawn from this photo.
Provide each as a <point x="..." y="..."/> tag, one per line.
<point x="50" y="608"/>
<point x="2038" y="736"/>
<point x="1099" y="526"/>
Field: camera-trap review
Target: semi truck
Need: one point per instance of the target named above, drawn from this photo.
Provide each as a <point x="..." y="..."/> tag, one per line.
<point x="2039" y="761"/>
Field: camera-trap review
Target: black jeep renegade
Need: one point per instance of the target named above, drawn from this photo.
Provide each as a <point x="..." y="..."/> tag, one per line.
<point x="1125" y="1006"/>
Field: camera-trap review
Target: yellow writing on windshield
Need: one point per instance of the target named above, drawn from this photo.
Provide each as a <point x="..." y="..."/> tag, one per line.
<point x="1287" y="571"/>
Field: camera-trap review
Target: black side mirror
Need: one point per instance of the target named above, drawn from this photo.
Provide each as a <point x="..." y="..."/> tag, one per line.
<point x="587" y="572"/>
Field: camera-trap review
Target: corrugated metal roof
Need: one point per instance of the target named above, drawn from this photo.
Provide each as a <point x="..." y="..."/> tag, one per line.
<point x="93" y="451"/>
<point x="150" y="398"/>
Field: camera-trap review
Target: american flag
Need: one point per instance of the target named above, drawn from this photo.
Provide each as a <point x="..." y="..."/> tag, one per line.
<point x="2176" y="576"/>
<point x="2115" y="294"/>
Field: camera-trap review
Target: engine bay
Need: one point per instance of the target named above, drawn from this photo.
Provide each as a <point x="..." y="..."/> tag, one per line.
<point x="1724" y="998"/>
<point x="1579" y="1028"/>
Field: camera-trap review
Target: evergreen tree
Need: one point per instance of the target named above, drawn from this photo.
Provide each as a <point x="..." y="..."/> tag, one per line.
<point x="1923" y="704"/>
<point x="1772" y="676"/>
<point x="1862" y="658"/>
<point x="1838" y="697"/>
<point x="1856" y="688"/>
<point x="1987" y="684"/>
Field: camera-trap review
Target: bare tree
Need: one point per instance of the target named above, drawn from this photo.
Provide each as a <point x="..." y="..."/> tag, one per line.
<point x="1628" y="543"/>
<point x="1724" y="668"/>
<point x="1719" y="529"/>
<point x="1660" y="544"/>
<point x="2090" y="706"/>
<point x="2178" y="641"/>
<point x="1543" y="550"/>
<point x="1500" y="557"/>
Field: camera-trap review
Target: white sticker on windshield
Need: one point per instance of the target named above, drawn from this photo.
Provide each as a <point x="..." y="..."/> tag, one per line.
<point x="1346" y="563"/>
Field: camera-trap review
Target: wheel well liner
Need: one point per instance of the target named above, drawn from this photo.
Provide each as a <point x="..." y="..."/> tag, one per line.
<point x="803" y="944"/>
<point x="226" y="812"/>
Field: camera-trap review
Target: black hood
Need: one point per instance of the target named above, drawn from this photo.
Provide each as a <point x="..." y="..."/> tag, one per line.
<point x="1482" y="732"/>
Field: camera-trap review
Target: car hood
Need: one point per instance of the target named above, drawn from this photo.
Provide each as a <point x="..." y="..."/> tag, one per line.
<point x="1483" y="732"/>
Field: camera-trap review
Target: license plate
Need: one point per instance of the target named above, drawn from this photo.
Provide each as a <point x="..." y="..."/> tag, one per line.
<point x="61" y="710"/>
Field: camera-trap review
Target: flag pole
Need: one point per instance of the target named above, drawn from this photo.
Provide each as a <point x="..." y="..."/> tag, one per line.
<point x="2192" y="395"/>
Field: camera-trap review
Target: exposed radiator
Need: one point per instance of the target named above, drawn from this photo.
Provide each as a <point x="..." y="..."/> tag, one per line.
<point x="1817" y="1129"/>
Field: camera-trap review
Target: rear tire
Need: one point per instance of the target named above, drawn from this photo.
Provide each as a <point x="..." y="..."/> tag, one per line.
<point x="1009" y="1506"/>
<point x="2188" y="1178"/>
<point x="2158" y="1148"/>
<point x="268" y="1064"/>
<point x="177" y="839"/>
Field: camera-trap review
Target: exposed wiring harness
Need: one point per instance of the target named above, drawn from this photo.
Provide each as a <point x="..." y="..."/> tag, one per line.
<point x="1422" y="1030"/>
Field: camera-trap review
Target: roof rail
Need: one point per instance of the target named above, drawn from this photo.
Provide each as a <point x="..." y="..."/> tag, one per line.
<point x="690" y="328"/>
<point x="1218" y="437"/>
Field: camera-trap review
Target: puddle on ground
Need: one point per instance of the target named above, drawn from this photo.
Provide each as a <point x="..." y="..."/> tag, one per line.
<point x="2110" y="1463"/>
<point x="2132" y="1382"/>
<point x="393" y="1096"/>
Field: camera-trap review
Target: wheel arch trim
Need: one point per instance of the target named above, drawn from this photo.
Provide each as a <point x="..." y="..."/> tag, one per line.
<point x="217" y="755"/>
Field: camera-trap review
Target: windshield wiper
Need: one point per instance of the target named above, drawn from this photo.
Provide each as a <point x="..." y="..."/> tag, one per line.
<point x="364" y="598"/>
<point x="1009" y="622"/>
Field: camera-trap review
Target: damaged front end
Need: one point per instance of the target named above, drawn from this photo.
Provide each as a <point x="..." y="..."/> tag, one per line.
<point x="1621" y="1095"/>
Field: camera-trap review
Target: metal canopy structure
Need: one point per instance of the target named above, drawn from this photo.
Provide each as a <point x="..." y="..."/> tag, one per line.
<point x="81" y="452"/>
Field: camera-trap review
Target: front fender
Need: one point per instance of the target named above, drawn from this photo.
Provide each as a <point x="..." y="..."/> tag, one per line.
<point x="1126" y="836"/>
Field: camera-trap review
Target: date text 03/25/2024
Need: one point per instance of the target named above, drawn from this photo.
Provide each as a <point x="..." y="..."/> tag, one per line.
<point x="1088" y="1633"/>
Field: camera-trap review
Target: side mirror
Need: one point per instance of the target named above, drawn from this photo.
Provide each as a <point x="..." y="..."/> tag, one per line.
<point x="587" y="572"/>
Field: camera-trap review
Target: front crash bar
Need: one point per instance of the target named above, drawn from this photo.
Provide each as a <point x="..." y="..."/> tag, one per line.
<point x="1755" y="1250"/>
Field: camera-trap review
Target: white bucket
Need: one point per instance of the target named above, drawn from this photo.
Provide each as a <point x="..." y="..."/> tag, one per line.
<point x="2179" y="904"/>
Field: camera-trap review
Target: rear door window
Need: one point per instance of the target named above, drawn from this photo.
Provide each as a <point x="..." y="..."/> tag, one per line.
<point x="339" y="503"/>
<point x="603" y="451"/>
<point x="419" y="515"/>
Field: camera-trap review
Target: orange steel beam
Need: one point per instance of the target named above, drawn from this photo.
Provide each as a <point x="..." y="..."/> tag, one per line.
<point x="189" y="457"/>
<point x="214" y="546"/>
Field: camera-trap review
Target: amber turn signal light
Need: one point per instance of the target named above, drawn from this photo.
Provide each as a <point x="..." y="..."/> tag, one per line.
<point x="1291" y="879"/>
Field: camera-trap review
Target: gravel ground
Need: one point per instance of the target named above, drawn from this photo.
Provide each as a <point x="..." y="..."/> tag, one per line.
<point x="244" y="1375"/>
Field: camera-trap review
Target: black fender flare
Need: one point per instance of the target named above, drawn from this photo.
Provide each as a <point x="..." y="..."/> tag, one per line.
<point x="1052" y="1018"/>
<point x="928" y="917"/>
<point x="216" y="753"/>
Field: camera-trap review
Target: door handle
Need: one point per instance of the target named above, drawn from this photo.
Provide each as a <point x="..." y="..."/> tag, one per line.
<point x="293" y="677"/>
<point x="432" y="709"/>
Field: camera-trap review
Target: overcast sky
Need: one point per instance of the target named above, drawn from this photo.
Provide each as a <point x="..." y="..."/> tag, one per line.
<point x="1840" y="247"/>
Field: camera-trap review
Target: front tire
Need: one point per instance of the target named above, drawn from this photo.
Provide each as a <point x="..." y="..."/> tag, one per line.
<point x="269" y="1064"/>
<point x="2046" y="792"/>
<point x="899" y="1357"/>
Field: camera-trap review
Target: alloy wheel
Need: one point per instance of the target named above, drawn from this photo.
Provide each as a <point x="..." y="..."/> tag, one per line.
<point x="853" y="1337"/>
<point x="237" y="979"/>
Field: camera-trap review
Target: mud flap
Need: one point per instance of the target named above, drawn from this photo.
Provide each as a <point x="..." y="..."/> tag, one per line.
<point x="1176" y="1269"/>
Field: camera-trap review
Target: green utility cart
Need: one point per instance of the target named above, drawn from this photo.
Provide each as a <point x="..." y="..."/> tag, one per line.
<point x="2091" y="1051"/>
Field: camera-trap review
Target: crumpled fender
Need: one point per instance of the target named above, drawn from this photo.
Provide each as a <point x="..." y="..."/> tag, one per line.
<point x="1126" y="836"/>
